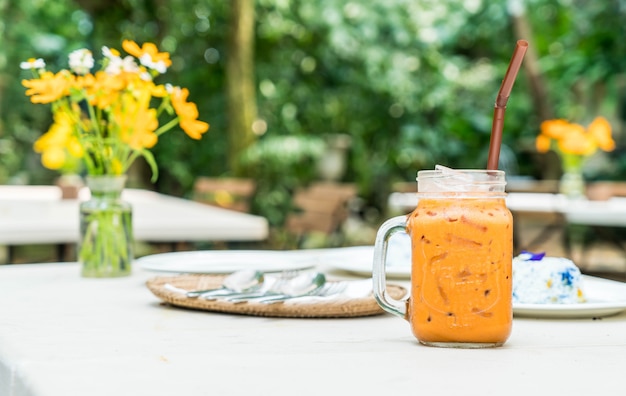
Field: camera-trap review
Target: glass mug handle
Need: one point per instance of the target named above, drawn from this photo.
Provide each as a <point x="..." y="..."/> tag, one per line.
<point x="385" y="232"/>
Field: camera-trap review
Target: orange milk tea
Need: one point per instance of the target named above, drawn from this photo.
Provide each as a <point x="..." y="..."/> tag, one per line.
<point x="462" y="250"/>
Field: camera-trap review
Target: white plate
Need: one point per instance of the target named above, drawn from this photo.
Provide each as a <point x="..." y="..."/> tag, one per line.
<point x="226" y="261"/>
<point x="359" y="259"/>
<point x="604" y="298"/>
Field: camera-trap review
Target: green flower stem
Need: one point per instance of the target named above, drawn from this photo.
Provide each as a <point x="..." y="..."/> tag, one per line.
<point x="106" y="244"/>
<point x="572" y="162"/>
<point x="167" y="127"/>
<point x="106" y="248"/>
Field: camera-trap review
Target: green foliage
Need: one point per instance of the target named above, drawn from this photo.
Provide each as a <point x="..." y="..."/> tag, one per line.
<point x="42" y="31"/>
<point x="280" y="165"/>
<point x="413" y="82"/>
<point x="583" y="59"/>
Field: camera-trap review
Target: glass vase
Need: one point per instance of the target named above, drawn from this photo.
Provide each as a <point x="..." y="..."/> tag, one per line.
<point x="105" y="247"/>
<point x="572" y="184"/>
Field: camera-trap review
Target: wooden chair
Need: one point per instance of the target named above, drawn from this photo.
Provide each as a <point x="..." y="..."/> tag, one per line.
<point x="532" y="186"/>
<point x="603" y="190"/>
<point x="322" y="208"/>
<point x="228" y="193"/>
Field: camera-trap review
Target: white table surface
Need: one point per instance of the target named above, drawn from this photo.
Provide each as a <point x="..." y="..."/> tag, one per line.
<point x="62" y="335"/>
<point x="611" y="212"/>
<point x="37" y="214"/>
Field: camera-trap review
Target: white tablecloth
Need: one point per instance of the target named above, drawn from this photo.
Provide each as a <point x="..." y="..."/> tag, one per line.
<point x="37" y="214"/>
<point x="611" y="212"/>
<point x="62" y="335"/>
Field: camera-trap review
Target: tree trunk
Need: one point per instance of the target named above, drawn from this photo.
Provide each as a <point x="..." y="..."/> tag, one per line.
<point x="549" y="165"/>
<point x="241" y="96"/>
<point x="542" y="105"/>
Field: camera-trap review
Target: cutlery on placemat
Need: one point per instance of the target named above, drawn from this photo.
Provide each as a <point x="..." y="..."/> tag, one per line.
<point x="327" y="290"/>
<point x="271" y="285"/>
<point x="298" y="286"/>
<point x="243" y="281"/>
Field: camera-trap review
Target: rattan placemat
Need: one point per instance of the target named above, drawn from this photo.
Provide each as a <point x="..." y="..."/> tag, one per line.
<point x="330" y="308"/>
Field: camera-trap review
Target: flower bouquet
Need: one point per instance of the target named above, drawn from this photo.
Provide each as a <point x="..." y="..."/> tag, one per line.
<point x="105" y="120"/>
<point x="574" y="144"/>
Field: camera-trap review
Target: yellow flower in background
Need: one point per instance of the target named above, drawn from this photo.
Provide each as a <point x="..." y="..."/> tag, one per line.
<point x="600" y="129"/>
<point x="543" y="143"/>
<point x="48" y="87"/>
<point x="571" y="138"/>
<point x="576" y="141"/>
<point x="573" y="142"/>
<point x="554" y="129"/>
<point x="105" y="118"/>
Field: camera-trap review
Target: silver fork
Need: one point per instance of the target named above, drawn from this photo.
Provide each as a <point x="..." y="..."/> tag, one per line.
<point x="329" y="289"/>
<point x="274" y="288"/>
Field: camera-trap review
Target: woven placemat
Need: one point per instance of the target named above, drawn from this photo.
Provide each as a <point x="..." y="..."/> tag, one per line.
<point x="332" y="308"/>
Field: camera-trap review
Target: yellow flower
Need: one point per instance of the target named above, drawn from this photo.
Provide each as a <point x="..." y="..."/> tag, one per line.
<point x="158" y="91"/>
<point x="49" y="87"/>
<point x="600" y="129"/>
<point x="53" y="158"/>
<point x="194" y="128"/>
<point x="116" y="167"/>
<point x="105" y="90"/>
<point x="188" y="113"/>
<point x="543" y="143"/>
<point x="74" y="148"/>
<point x="572" y="142"/>
<point x="555" y="129"/>
<point x="105" y="118"/>
<point x="148" y="54"/>
<point x="577" y="141"/>
<point x="183" y="108"/>
<point x="572" y="138"/>
<point x="84" y="82"/>
<point x="58" y="142"/>
<point x="136" y="124"/>
<point x="58" y="134"/>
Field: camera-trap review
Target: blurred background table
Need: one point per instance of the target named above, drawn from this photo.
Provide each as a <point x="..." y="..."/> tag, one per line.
<point x="611" y="212"/>
<point x="38" y="215"/>
<point x="62" y="335"/>
<point x="551" y="222"/>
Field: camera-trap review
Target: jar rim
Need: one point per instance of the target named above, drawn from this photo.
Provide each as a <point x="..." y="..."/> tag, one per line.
<point x="461" y="180"/>
<point x="480" y="176"/>
<point x="494" y="173"/>
<point x="462" y="194"/>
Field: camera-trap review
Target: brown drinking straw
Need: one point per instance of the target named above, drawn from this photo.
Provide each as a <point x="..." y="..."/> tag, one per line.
<point x="501" y="99"/>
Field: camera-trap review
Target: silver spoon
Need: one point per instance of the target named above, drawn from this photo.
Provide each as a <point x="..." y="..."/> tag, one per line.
<point x="326" y="290"/>
<point x="237" y="282"/>
<point x="270" y="286"/>
<point x="301" y="285"/>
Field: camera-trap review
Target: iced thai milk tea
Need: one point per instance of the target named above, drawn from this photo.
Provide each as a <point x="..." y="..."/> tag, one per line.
<point x="461" y="270"/>
<point x="461" y="260"/>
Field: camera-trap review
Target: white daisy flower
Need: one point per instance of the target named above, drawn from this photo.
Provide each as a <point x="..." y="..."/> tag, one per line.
<point x="81" y="61"/>
<point x="147" y="61"/>
<point x="129" y="65"/>
<point x="113" y="61"/>
<point x="118" y="65"/>
<point x="113" y="66"/>
<point x="32" y="64"/>
<point x="144" y="75"/>
<point x="109" y="53"/>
